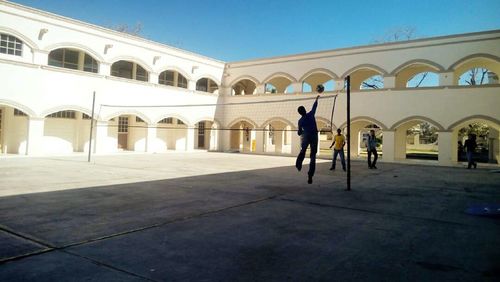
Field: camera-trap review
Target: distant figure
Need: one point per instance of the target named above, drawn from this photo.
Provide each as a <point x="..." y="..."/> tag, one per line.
<point x="308" y="132"/>
<point x="470" y="146"/>
<point x="371" y="147"/>
<point x="339" y="142"/>
<point x="460" y="150"/>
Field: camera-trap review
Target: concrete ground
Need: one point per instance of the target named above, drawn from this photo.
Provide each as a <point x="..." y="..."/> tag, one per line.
<point x="233" y="217"/>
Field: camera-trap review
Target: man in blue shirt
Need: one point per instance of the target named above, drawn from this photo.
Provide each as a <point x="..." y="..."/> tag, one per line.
<point x="308" y="132"/>
<point x="371" y="147"/>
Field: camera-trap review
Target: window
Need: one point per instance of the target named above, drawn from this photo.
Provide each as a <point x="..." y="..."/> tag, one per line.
<point x="141" y="74"/>
<point x="122" y="124"/>
<point x="180" y="121"/>
<point x="19" y="113"/>
<point x="182" y="81"/>
<point x="10" y="45"/>
<point x="85" y="116"/>
<point x="64" y="58"/>
<point x="202" y="85"/>
<point x="138" y="119"/>
<point x="166" y="120"/>
<point x="90" y="65"/>
<point x="63" y="114"/>
<point x="126" y="69"/>
<point x="167" y="78"/>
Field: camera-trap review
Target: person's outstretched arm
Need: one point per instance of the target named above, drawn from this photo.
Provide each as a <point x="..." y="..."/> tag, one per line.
<point x="315" y="105"/>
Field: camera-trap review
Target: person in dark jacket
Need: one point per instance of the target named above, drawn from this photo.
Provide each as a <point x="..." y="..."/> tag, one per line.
<point x="308" y="132"/>
<point x="371" y="147"/>
<point x="470" y="147"/>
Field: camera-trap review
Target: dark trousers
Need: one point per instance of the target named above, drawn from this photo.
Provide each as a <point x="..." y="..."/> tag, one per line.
<point x="470" y="159"/>
<point x="375" y="157"/>
<point x="308" y="140"/>
<point x="342" y="158"/>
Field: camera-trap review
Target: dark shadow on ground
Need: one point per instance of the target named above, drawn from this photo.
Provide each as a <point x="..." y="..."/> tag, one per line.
<point x="400" y="222"/>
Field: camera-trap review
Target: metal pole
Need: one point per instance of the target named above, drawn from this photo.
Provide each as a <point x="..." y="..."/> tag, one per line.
<point x="91" y="127"/>
<point x="348" y="82"/>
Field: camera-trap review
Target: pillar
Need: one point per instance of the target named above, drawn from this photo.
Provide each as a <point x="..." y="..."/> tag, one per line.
<point x="389" y="82"/>
<point x="153" y="77"/>
<point x="399" y="144"/>
<point x="190" y="138"/>
<point x="259" y="138"/>
<point x="297" y="87"/>
<point x="191" y="85"/>
<point x="295" y="143"/>
<point x="101" y="137"/>
<point x="151" y="144"/>
<point x="40" y="57"/>
<point x="104" y="69"/>
<point x="388" y="148"/>
<point x="446" y="79"/>
<point x="446" y="153"/>
<point x="35" y="136"/>
<point x="261" y="89"/>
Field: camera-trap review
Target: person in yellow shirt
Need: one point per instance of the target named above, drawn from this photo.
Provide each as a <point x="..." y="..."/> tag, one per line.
<point x="339" y="143"/>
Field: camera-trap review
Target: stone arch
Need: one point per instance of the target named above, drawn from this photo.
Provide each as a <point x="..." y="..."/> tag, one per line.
<point x="453" y="66"/>
<point x="365" y="66"/>
<point x="280" y="119"/>
<point x="367" y="119"/>
<point x="437" y="67"/>
<point x="487" y="119"/>
<point x="77" y="46"/>
<point x="127" y="112"/>
<point x="66" y="108"/>
<point x="421" y="118"/>
<point x="18" y="106"/>
<point x="319" y="70"/>
<point x="242" y="77"/>
<point x="280" y="74"/>
<point x="206" y="75"/>
<point x="236" y="120"/>
<point x="174" y="68"/>
<point x="19" y="35"/>
<point x="177" y="116"/>
<point x="136" y="60"/>
<point x="212" y="119"/>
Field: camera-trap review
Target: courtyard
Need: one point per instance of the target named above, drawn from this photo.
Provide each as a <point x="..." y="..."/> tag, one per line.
<point x="203" y="216"/>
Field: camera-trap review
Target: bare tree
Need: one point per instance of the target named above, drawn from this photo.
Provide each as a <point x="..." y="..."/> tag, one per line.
<point x="135" y="30"/>
<point x="475" y="73"/>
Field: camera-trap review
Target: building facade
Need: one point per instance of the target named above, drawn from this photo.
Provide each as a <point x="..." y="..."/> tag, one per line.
<point x="153" y="98"/>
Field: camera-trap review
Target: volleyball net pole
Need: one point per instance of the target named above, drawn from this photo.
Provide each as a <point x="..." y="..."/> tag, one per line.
<point x="348" y="92"/>
<point x="91" y="127"/>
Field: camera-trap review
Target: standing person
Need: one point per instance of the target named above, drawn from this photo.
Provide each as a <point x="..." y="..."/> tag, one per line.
<point x="339" y="142"/>
<point x="371" y="147"/>
<point x="308" y="132"/>
<point x="470" y="146"/>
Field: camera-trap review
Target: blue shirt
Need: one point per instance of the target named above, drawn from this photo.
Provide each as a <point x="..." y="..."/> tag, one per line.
<point x="371" y="143"/>
<point x="307" y="123"/>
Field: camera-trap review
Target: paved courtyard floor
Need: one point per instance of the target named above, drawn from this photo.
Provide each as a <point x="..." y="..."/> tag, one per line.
<point x="233" y="217"/>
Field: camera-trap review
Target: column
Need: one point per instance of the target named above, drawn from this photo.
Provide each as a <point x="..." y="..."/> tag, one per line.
<point x="40" y="57"/>
<point x="389" y="82"/>
<point x="105" y="69"/>
<point x="153" y="77"/>
<point x="35" y="136"/>
<point x="192" y="85"/>
<point x="388" y="148"/>
<point x="151" y="144"/>
<point x="399" y="144"/>
<point x="446" y="79"/>
<point x="295" y="143"/>
<point x="297" y="87"/>
<point x="261" y="88"/>
<point x="101" y="137"/>
<point x="190" y="138"/>
<point x="446" y="153"/>
<point x="259" y="138"/>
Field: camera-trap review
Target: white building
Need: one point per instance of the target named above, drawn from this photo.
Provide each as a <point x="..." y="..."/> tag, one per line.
<point x="51" y="65"/>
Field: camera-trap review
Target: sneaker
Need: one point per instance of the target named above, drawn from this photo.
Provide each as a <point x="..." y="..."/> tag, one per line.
<point x="370" y="167"/>
<point x="475" y="165"/>
<point x="332" y="168"/>
<point x="310" y="180"/>
<point x="374" y="167"/>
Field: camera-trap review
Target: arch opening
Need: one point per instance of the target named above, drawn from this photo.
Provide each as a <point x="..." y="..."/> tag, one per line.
<point x="244" y="87"/>
<point x="172" y="78"/>
<point x="243" y="137"/>
<point x="278" y="84"/>
<point x="487" y="137"/>
<point x="14" y="125"/>
<point x="207" y="137"/>
<point x="172" y="134"/>
<point x="277" y="137"/>
<point x="423" y="79"/>
<point x="207" y="85"/>
<point x="478" y="76"/>
<point x="129" y="70"/>
<point x="75" y="59"/>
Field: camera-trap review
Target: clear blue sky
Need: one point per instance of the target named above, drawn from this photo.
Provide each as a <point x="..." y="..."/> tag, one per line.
<point x="232" y="30"/>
